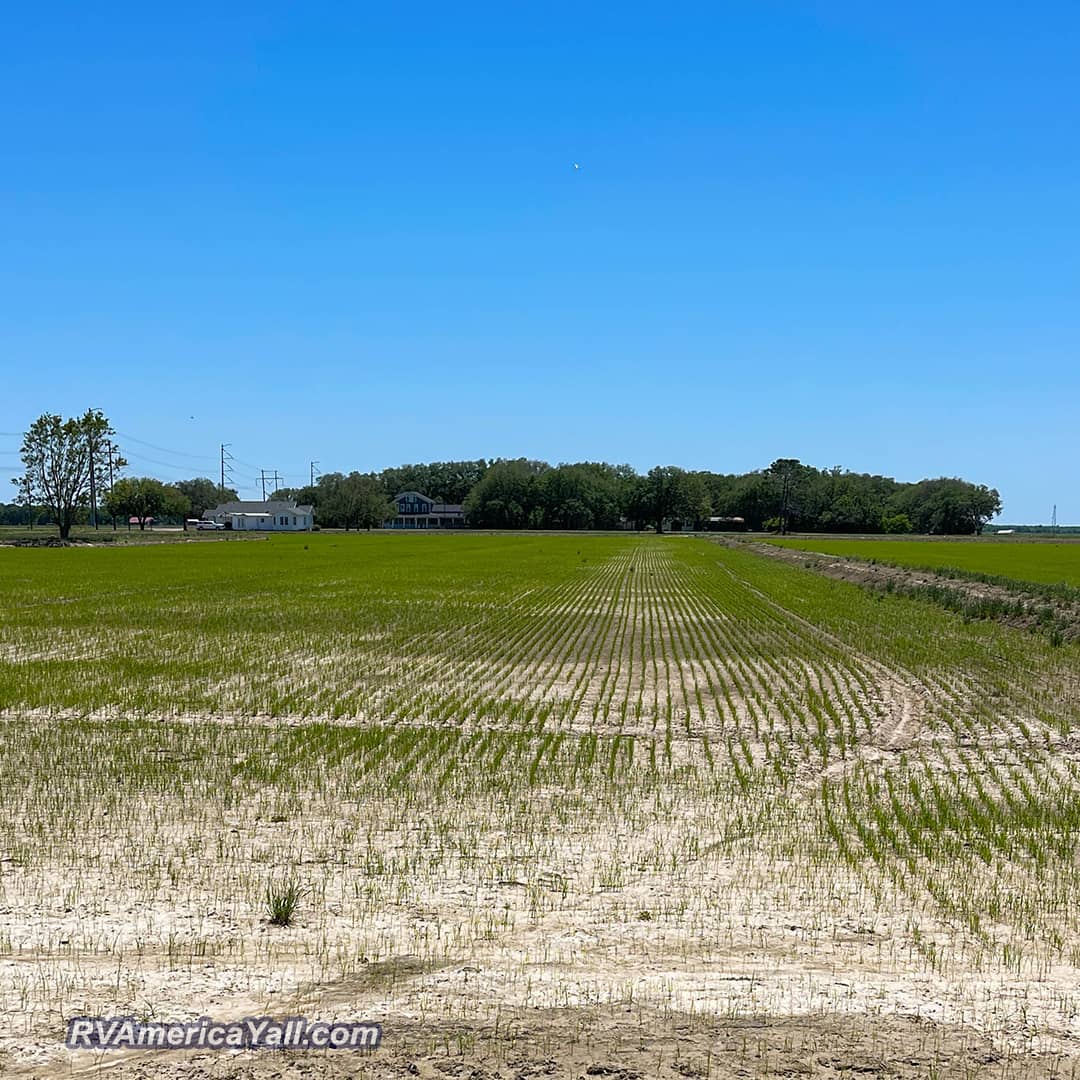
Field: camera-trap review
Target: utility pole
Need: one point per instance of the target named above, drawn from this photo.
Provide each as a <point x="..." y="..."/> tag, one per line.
<point x="109" y="451"/>
<point x="226" y="466"/>
<point x="97" y="428"/>
<point x="28" y="497"/>
<point x="92" y="449"/>
<point x="115" y="463"/>
<point x="1053" y="519"/>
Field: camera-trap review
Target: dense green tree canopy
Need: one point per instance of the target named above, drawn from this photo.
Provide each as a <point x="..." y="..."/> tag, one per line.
<point x="948" y="506"/>
<point x="355" y="501"/>
<point x="509" y="496"/>
<point x="444" y="481"/>
<point x="144" y="498"/>
<point x="521" y="493"/>
<point x="204" y="494"/>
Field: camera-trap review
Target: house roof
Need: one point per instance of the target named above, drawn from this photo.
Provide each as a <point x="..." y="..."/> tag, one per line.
<point x="435" y="507"/>
<point x="271" y="506"/>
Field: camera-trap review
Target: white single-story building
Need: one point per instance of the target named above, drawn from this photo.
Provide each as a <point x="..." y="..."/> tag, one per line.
<point x="274" y="515"/>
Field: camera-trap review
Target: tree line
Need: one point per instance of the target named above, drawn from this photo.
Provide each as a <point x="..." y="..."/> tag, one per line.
<point x="786" y="496"/>
<point x="72" y="474"/>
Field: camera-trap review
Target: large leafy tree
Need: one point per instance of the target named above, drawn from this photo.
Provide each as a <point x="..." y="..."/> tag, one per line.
<point x="948" y="505"/>
<point x="669" y="493"/>
<point x="789" y="477"/>
<point x="508" y="497"/>
<point x="144" y="498"/>
<point x="645" y="501"/>
<point x="748" y="496"/>
<point x="444" y="481"/>
<point x="203" y="493"/>
<point x="356" y="501"/>
<point x="65" y="464"/>
<point x="588" y="495"/>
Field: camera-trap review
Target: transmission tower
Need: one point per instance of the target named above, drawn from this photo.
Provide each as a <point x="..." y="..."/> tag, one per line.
<point x="226" y="467"/>
<point x="265" y="477"/>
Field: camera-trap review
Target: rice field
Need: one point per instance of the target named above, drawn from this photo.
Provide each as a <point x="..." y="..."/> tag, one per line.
<point x="586" y="775"/>
<point x="1041" y="562"/>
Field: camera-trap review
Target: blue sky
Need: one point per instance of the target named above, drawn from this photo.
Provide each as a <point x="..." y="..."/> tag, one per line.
<point x="842" y="232"/>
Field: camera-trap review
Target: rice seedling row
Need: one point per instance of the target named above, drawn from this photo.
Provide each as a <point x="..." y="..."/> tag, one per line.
<point x="546" y="770"/>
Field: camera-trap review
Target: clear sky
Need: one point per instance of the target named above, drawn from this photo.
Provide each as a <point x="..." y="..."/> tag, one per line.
<point x="844" y="232"/>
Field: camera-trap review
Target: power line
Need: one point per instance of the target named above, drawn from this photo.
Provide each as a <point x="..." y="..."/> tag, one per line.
<point x="165" y="449"/>
<point x="176" y="466"/>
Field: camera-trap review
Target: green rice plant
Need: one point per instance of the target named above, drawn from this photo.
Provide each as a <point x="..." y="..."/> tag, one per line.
<point x="1034" y="562"/>
<point x="281" y="899"/>
<point x="439" y="728"/>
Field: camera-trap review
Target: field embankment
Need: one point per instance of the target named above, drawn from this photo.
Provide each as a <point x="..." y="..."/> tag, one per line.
<point x="1017" y="560"/>
<point x="1025" y="591"/>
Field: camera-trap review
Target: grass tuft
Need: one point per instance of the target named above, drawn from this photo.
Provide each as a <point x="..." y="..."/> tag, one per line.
<point x="282" y="900"/>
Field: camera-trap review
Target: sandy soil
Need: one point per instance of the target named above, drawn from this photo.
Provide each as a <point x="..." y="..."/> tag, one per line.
<point x="733" y="963"/>
<point x="668" y="931"/>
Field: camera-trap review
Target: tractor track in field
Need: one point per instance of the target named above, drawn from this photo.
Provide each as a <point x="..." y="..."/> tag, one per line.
<point x="905" y="696"/>
<point x="606" y="1044"/>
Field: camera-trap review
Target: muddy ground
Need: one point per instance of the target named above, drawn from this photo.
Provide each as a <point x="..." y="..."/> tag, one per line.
<point x="614" y="1044"/>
